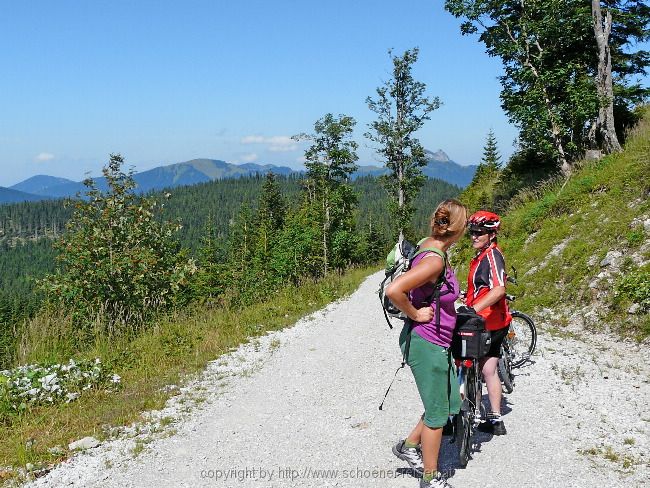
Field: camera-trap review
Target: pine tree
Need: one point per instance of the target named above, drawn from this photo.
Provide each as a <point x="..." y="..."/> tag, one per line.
<point x="490" y="162"/>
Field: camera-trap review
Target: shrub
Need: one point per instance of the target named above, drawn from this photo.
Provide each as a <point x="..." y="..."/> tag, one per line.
<point x="635" y="286"/>
<point x="119" y="262"/>
<point x="636" y="236"/>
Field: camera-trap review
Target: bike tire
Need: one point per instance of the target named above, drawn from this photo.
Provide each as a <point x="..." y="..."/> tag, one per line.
<point x="505" y="371"/>
<point x="524" y="339"/>
<point x="463" y="437"/>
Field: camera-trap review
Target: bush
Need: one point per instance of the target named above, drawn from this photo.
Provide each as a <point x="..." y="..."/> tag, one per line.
<point x="635" y="287"/>
<point x="119" y="262"/>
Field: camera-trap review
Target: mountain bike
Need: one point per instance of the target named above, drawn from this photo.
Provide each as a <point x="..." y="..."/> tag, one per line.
<point x="518" y="345"/>
<point x="522" y="335"/>
<point x="471" y="410"/>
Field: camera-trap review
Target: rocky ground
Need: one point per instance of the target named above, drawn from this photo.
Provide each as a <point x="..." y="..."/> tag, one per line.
<point x="299" y="408"/>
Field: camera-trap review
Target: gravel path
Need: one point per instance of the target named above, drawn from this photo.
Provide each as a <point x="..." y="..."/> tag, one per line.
<point x="283" y="409"/>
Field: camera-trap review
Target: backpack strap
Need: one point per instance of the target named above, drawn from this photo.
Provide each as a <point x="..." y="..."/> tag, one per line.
<point x="381" y="289"/>
<point x="435" y="296"/>
<point x="439" y="252"/>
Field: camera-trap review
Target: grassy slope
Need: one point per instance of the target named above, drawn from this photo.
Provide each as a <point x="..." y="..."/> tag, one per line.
<point x="581" y="220"/>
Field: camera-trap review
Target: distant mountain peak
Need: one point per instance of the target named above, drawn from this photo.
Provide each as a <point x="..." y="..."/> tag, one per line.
<point x="39" y="184"/>
<point x="439" y="155"/>
<point x="191" y="172"/>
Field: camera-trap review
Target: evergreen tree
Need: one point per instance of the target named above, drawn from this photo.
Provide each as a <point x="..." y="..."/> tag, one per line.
<point x="490" y="162"/>
<point x="269" y="221"/>
<point x="480" y="193"/>
<point x="240" y="251"/>
<point x="212" y="278"/>
<point x="401" y="107"/>
<point x="271" y="211"/>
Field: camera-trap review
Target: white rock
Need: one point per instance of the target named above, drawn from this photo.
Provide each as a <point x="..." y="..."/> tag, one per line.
<point x="610" y="258"/>
<point x="634" y="308"/>
<point x="85" y="443"/>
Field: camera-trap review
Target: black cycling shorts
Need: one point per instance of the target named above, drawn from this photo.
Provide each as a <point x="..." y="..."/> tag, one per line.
<point x="497" y="340"/>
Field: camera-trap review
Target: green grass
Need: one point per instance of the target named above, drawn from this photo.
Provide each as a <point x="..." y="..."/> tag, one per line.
<point x="178" y="347"/>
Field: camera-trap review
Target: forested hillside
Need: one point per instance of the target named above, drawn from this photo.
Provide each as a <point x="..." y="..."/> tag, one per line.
<point x="28" y="229"/>
<point x="218" y="201"/>
<point x="149" y="288"/>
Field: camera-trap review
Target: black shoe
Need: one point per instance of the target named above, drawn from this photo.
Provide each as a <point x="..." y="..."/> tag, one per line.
<point x="486" y="427"/>
<point x="494" y="427"/>
<point x="498" y="428"/>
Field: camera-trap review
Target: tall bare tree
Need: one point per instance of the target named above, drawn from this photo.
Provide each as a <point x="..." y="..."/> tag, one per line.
<point x="605" y="124"/>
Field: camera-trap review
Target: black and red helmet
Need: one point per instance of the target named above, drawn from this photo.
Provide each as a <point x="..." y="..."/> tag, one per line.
<point x="484" y="220"/>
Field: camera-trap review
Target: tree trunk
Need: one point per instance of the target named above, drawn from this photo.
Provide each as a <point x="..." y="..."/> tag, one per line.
<point x="326" y="230"/>
<point x="556" y="133"/>
<point x="602" y="30"/>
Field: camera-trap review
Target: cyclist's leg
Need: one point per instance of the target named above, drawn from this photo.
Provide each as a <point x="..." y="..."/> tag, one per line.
<point x="492" y="382"/>
<point x="489" y="369"/>
<point x="430" y="367"/>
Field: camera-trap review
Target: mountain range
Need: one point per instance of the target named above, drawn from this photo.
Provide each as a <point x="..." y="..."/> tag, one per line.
<point x="43" y="187"/>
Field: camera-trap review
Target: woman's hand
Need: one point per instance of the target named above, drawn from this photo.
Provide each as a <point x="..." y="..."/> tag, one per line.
<point x="423" y="315"/>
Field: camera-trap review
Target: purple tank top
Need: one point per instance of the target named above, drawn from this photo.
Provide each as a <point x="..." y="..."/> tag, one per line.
<point x="421" y="296"/>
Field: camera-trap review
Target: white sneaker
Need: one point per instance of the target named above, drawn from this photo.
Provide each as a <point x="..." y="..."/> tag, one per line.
<point x="411" y="455"/>
<point x="437" y="482"/>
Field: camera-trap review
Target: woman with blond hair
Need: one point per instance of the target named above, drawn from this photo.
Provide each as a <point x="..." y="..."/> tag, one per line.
<point x="426" y="294"/>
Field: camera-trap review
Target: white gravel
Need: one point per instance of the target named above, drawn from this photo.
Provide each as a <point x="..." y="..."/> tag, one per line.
<point x="280" y="409"/>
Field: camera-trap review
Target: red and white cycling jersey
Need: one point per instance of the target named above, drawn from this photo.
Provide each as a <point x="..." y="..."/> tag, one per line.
<point x="486" y="271"/>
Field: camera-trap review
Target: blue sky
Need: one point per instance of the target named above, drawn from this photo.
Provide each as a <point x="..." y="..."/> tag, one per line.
<point x="166" y="81"/>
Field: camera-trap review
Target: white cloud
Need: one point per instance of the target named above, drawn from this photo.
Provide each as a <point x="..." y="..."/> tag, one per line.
<point x="274" y="143"/>
<point x="42" y="157"/>
<point x="252" y="140"/>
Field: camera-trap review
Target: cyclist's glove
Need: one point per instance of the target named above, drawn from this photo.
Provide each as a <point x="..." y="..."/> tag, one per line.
<point x="466" y="309"/>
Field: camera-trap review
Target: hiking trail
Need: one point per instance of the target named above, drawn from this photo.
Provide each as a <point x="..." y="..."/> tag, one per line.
<point x="299" y="408"/>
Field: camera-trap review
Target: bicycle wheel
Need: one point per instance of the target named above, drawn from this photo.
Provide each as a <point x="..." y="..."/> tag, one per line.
<point x="523" y="338"/>
<point x="463" y="435"/>
<point x="504" y="369"/>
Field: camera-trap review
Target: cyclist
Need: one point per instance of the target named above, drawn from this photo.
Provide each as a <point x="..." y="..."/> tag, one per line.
<point x="486" y="292"/>
<point x="428" y="354"/>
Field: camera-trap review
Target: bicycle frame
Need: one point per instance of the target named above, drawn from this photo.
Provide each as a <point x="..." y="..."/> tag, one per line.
<point x="469" y="417"/>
